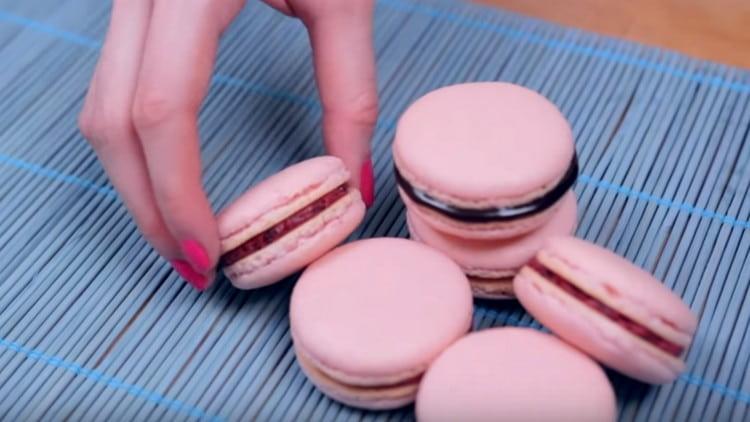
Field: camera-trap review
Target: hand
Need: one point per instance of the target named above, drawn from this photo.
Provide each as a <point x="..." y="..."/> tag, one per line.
<point x="140" y="114"/>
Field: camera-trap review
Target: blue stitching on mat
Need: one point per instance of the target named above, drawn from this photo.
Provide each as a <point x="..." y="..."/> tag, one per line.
<point x="390" y="123"/>
<point x="738" y="395"/>
<point x="112" y="382"/>
<point x="583" y="178"/>
<point x="679" y="206"/>
<point x="532" y="38"/>
<point x="698" y="77"/>
<point x="50" y="30"/>
<point x="57" y="175"/>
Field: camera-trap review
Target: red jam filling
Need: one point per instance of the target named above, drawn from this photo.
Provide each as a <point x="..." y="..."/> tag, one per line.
<point x="619" y="318"/>
<point x="285" y="226"/>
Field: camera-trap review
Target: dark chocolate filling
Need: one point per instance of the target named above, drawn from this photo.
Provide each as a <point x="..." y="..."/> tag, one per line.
<point x="614" y="315"/>
<point x="488" y="215"/>
<point x="489" y="279"/>
<point x="283" y="227"/>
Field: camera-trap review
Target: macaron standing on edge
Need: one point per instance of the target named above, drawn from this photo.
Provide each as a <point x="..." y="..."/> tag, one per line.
<point x="484" y="160"/>
<point x="369" y="317"/>
<point x="287" y="221"/>
<point x="491" y="264"/>
<point x="607" y="307"/>
<point x="514" y="374"/>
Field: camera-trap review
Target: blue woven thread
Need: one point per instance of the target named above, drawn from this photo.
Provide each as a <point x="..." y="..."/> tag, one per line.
<point x="57" y="175"/>
<point x="390" y="123"/>
<point x="679" y="206"/>
<point x="587" y="51"/>
<point x="50" y="30"/>
<point x="687" y="378"/>
<point x="100" y="377"/>
<point x="583" y="178"/>
<point x="197" y="413"/>
<point x="529" y="37"/>
<point x="721" y="389"/>
<point x="259" y="89"/>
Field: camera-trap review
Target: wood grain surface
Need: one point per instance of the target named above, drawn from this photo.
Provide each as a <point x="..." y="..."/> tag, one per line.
<point x="717" y="30"/>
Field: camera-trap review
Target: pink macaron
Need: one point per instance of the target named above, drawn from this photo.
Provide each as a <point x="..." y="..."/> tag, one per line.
<point x="369" y="317"/>
<point x="608" y="307"/>
<point x="514" y="374"/>
<point x="484" y="160"/>
<point x="491" y="264"/>
<point x="287" y="221"/>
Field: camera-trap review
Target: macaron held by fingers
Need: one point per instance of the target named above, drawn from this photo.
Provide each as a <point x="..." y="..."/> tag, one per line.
<point x="369" y="317"/>
<point x="287" y="221"/>
<point x="484" y="160"/>
<point x="608" y="307"/>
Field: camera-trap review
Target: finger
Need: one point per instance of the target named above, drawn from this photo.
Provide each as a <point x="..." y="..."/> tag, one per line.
<point x="345" y="72"/>
<point x="106" y="122"/>
<point x="174" y="77"/>
<point x="280" y="5"/>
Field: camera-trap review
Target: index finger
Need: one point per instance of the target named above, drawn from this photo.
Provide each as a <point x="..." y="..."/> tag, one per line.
<point x="345" y="72"/>
<point x="173" y="80"/>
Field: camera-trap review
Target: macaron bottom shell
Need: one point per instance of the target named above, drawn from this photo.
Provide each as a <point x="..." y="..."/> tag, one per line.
<point x="491" y="264"/>
<point x="484" y="285"/>
<point x="593" y="333"/>
<point x="494" y="289"/>
<point x="372" y="397"/>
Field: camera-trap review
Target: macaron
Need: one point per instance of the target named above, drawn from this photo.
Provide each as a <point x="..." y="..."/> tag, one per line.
<point x="287" y="221"/>
<point x="369" y="317"/>
<point x="514" y="374"/>
<point x="484" y="160"/>
<point x="608" y="307"/>
<point x="491" y="264"/>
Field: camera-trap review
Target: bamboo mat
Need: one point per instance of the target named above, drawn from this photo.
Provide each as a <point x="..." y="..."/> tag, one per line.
<point x="94" y="326"/>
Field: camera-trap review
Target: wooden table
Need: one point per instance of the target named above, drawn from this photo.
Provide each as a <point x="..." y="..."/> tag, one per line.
<point x="717" y="30"/>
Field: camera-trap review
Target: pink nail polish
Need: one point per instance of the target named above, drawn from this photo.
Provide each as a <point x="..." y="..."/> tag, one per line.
<point x="197" y="280"/>
<point x="196" y="255"/>
<point x="367" y="183"/>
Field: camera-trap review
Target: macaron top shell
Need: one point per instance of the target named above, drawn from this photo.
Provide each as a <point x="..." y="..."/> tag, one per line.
<point x="483" y="144"/>
<point x="625" y="286"/>
<point x="514" y="374"/>
<point x="379" y="310"/>
<point x="256" y="208"/>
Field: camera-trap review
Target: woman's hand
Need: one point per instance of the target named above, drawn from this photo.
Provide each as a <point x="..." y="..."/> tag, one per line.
<point x="140" y="114"/>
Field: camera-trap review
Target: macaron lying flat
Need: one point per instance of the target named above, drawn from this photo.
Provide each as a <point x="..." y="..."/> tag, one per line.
<point x="607" y="307"/>
<point x="492" y="264"/>
<point x="484" y="160"/>
<point x="369" y="317"/>
<point x="287" y="221"/>
<point x="514" y="374"/>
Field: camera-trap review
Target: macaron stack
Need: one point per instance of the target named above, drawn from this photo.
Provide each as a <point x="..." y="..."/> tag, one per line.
<point x="485" y="171"/>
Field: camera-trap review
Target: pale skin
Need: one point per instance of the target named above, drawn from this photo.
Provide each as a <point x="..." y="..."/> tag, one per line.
<point x="140" y="113"/>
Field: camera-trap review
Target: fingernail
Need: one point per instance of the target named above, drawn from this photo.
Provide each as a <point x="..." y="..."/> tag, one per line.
<point x="196" y="255"/>
<point x="197" y="280"/>
<point x="367" y="183"/>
